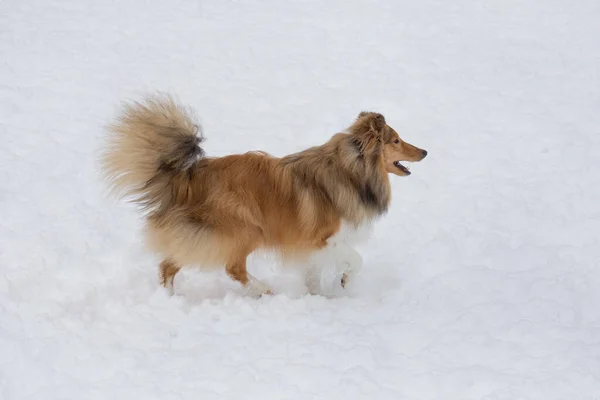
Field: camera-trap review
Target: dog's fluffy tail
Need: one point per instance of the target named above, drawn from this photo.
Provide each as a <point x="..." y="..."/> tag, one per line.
<point x="152" y="146"/>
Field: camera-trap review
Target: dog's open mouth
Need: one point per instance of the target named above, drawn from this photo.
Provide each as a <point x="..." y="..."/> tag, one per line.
<point x="401" y="167"/>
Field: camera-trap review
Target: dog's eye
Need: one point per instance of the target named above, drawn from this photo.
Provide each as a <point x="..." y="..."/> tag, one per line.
<point x="397" y="141"/>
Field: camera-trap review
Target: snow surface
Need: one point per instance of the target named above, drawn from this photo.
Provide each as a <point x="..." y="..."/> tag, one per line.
<point x="482" y="282"/>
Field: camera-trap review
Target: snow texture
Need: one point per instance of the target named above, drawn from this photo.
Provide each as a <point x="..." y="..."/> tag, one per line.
<point x="482" y="282"/>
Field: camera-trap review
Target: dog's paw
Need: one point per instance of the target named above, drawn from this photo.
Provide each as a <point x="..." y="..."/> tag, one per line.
<point x="169" y="289"/>
<point x="257" y="288"/>
<point x="258" y="294"/>
<point x="344" y="280"/>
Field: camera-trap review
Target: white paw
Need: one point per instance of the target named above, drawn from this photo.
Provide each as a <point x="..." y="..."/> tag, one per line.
<point x="349" y="271"/>
<point x="313" y="280"/>
<point x="169" y="288"/>
<point x="257" y="288"/>
<point x="344" y="280"/>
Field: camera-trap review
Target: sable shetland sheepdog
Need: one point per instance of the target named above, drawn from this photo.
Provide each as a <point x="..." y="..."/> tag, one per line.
<point x="216" y="211"/>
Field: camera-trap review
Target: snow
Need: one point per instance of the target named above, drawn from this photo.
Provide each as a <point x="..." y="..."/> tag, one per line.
<point x="482" y="282"/>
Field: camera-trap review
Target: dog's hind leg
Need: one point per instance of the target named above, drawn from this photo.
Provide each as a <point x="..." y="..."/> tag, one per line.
<point x="167" y="271"/>
<point x="236" y="269"/>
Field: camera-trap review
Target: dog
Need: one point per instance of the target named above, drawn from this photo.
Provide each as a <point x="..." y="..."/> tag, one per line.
<point x="207" y="211"/>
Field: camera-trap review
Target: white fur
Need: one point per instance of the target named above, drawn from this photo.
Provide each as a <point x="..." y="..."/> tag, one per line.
<point x="169" y="287"/>
<point x="337" y="260"/>
<point x="257" y="288"/>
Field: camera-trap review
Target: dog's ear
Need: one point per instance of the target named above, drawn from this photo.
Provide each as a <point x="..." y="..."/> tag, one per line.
<point x="367" y="131"/>
<point x="368" y="121"/>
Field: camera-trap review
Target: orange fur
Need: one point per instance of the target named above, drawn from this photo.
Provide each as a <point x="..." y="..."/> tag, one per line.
<point x="217" y="211"/>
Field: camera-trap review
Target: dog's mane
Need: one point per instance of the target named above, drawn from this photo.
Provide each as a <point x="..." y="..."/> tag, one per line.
<point x="352" y="182"/>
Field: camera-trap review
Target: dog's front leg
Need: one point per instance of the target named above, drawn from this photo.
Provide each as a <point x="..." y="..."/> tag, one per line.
<point x="338" y="254"/>
<point x="348" y="261"/>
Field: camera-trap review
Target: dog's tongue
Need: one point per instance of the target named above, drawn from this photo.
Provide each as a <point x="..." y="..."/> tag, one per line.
<point x="402" y="168"/>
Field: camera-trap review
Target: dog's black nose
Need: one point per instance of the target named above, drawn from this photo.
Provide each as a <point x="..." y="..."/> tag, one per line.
<point x="424" y="153"/>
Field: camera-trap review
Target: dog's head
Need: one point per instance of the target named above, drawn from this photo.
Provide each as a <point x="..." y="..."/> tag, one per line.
<point x="374" y="137"/>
